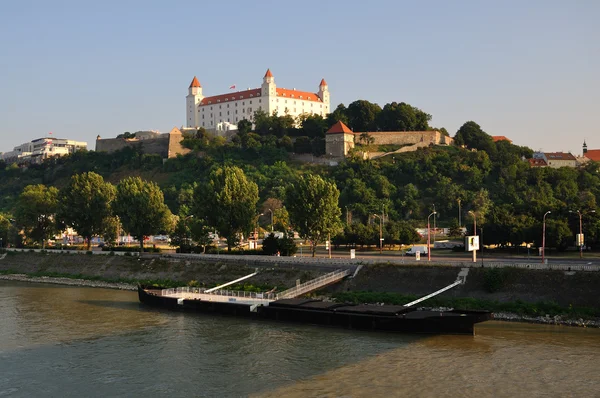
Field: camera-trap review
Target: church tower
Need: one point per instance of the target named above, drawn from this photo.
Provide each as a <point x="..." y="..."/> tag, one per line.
<point x="269" y="90"/>
<point x="584" y="148"/>
<point x="192" y="100"/>
<point x="324" y="95"/>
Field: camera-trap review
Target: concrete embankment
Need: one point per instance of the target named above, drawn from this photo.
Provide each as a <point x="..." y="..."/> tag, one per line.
<point x="506" y="285"/>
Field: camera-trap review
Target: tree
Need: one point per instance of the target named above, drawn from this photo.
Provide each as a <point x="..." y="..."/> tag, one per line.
<point x="110" y="230"/>
<point x="6" y="229"/>
<point x="141" y="208"/>
<point x="228" y="203"/>
<point x="471" y="135"/>
<point x="362" y="115"/>
<point x="36" y="210"/>
<point x="312" y="204"/>
<point x="402" y="117"/>
<point x="84" y="204"/>
<point x="340" y="114"/>
<point x="244" y="126"/>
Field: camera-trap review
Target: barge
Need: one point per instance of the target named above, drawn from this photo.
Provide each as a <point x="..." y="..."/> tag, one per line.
<point x="270" y="306"/>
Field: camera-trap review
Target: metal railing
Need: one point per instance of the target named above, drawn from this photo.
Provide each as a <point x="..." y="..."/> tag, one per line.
<point x="313" y="284"/>
<point x="226" y="293"/>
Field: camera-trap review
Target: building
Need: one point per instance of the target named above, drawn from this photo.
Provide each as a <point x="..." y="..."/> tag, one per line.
<point x="339" y="139"/>
<point x="537" y="162"/>
<point x="166" y="145"/>
<point x="40" y="149"/>
<point x="209" y="112"/>
<point x="591" y="154"/>
<point x="556" y="159"/>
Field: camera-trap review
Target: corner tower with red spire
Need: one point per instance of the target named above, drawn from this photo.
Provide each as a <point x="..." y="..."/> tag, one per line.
<point x="324" y="92"/>
<point x="192" y="100"/>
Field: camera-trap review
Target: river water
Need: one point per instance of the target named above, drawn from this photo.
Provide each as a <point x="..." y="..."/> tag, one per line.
<point x="58" y="341"/>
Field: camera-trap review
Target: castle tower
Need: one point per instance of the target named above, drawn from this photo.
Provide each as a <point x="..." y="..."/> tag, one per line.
<point x="192" y="100"/>
<point x="339" y="140"/>
<point x="324" y="94"/>
<point x="269" y="90"/>
<point x="584" y="148"/>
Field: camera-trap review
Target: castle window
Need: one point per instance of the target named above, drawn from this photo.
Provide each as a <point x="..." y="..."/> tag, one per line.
<point x="236" y="111"/>
<point x="202" y="116"/>
<point x="228" y="112"/>
<point x="219" y="106"/>
<point x="236" y="104"/>
<point x="243" y="103"/>
<point x="259" y="101"/>
<point x="228" y="105"/>
<point x="219" y="113"/>
<point x="294" y="102"/>
<point x="250" y="102"/>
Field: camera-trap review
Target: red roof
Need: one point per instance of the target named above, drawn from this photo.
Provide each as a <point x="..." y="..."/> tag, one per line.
<point x="303" y="95"/>
<point x="593" y="154"/>
<point x="323" y="83"/>
<point x="246" y="94"/>
<point x="559" y="156"/>
<point x="537" y="162"/>
<point x="338" y="128"/>
<point x="497" y="138"/>
<point x="268" y="74"/>
<point x="195" y="83"/>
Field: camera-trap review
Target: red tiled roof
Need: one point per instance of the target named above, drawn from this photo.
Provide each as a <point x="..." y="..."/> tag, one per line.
<point x="537" y="162"/>
<point x="323" y="83"/>
<point x="593" y="154"/>
<point x="559" y="156"/>
<point x="339" y="127"/>
<point x="246" y="94"/>
<point x="497" y="138"/>
<point x="268" y="74"/>
<point x="195" y="83"/>
<point x="303" y="95"/>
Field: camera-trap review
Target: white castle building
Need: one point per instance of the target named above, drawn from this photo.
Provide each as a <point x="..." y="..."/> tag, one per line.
<point x="210" y="112"/>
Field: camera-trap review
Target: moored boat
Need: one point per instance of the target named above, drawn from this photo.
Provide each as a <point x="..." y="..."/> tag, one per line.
<point x="389" y="318"/>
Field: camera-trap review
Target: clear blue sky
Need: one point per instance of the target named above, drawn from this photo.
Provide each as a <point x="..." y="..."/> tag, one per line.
<point x="528" y="70"/>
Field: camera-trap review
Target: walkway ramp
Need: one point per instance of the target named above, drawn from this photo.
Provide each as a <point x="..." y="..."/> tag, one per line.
<point x="313" y="284"/>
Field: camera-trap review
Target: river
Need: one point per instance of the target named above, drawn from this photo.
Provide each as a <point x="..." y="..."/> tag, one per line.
<point x="58" y="341"/>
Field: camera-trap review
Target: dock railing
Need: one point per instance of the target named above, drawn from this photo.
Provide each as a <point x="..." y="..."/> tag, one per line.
<point x="225" y="293"/>
<point x="313" y="284"/>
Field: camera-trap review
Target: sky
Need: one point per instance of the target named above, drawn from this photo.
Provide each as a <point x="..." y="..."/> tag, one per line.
<point x="528" y="70"/>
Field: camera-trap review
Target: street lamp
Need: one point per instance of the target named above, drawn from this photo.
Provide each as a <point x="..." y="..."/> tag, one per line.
<point x="581" y="230"/>
<point x="429" y="238"/>
<point x="459" y="220"/>
<point x="380" y="233"/>
<point x="271" y="219"/>
<point x="474" y="232"/>
<point x="544" y="234"/>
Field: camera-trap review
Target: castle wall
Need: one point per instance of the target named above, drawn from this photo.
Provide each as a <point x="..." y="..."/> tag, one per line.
<point x="406" y="137"/>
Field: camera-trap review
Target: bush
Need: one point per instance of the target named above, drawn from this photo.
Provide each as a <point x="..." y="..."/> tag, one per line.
<point x="130" y="249"/>
<point x="285" y="246"/>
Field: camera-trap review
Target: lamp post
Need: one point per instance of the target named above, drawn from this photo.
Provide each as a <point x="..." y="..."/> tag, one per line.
<point x="459" y="220"/>
<point x="544" y="235"/>
<point x="380" y="233"/>
<point x="581" y="229"/>
<point x="429" y="237"/>
<point x="434" y="223"/>
<point x="271" y="219"/>
<point x="474" y="233"/>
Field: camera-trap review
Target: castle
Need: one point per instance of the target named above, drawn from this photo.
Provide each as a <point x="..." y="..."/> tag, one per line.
<point x="214" y="111"/>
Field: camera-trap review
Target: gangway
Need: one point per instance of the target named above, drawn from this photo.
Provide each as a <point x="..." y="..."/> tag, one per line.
<point x="462" y="277"/>
<point x="313" y="284"/>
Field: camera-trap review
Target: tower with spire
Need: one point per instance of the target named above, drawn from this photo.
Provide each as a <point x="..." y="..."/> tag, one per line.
<point x="584" y="148"/>
<point x="269" y="89"/>
<point x="324" y="91"/>
<point x="192" y="101"/>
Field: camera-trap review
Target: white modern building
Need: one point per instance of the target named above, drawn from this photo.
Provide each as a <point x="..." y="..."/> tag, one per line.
<point x="40" y="149"/>
<point x="210" y="112"/>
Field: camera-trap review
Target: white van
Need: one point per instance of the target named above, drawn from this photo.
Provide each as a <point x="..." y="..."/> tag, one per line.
<point x="413" y="250"/>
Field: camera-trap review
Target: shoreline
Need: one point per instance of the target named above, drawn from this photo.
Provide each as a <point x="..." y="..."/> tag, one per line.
<point x="498" y="316"/>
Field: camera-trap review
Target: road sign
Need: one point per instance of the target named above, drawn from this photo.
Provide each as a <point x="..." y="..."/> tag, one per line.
<point x="472" y="243"/>
<point x="417" y="255"/>
<point x="352" y="253"/>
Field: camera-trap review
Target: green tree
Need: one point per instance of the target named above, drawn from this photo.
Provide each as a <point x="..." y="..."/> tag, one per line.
<point x="244" y="126"/>
<point x="362" y="115"/>
<point x="141" y="208"/>
<point x="228" y="203"/>
<point x="110" y="230"/>
<point x="6" y="230"/>
<point x="471" y="135"/>
<point x="84" y="204"/>
<point x="35" y="212"/>
<point x="312" y="204"/>
<point x="402" y="117"/>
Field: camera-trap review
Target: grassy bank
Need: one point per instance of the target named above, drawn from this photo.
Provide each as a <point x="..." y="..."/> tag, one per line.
<point x="519" y="307"/>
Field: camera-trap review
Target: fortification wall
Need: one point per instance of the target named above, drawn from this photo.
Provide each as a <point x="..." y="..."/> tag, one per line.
<point x="406" y="137"/>
<point x="165" y="145"/>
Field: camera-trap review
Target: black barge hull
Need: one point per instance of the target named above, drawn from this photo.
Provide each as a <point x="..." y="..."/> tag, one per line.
<point x="388" y="318"/>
